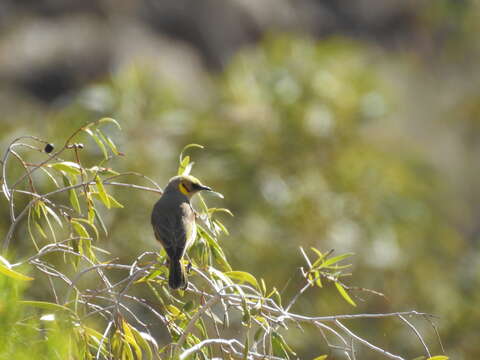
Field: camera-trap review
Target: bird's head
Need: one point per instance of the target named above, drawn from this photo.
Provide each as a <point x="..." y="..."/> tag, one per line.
<point x="186" y="184"/>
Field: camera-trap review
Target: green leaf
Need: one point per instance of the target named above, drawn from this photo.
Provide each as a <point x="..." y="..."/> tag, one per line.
<point x="99" y="142"/>
<point x="92" y="226"/>
<point x="130" y="338"/>
<point x="344" y="293"/>
<point x="101" y="192"/>
<point x="217" y="251"/>
<point x="112" y="145"/>
<point x="40" y="230"/>
<point x="438" y="357"/>
<point x="182" y="169"/>
<point x="188" y="147"/>
<point x="72" y="194"/>
<point x="67" y="166"/>
<point x="110" y="120"/>
<point x="142" y="342"/>
<point x="54" y="215"/>
<point x="214" y="210"/>
<point x="46" y="305"/>
<point x="6" y="270"/>
<point x="335" y="259"/>
<point x="49" y="175"/>
<point x="321" y="357"/>
<point x="113" y="202"/>
<point x="280" y="347"/>
<point x="243" y="276"/>
<point x="74" y="200"/>
<point x="81" y="231"/>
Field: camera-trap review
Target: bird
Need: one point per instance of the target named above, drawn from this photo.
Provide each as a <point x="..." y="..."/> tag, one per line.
<point x="173" y="222"/>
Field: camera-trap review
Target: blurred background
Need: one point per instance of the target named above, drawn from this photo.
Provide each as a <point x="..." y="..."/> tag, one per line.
<point x="343" y="125"/>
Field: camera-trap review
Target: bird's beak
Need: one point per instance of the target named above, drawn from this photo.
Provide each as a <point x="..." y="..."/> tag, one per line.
<point x="203" y="187"/>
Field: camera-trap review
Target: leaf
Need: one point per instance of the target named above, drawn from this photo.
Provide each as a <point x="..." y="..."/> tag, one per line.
<point x="217" y="252"/>
<point x="438" y="357"/>
<point x="74" y="200"/>
<point x="130" y="338"/>
<point x="49" y="175"/>
<point x="173" y="310"/>
<point x="112" y="145"/>
<point x="85" y="221"/>
<point x="141" y="339"/>
<point x="183" y="165"/>
<point x="43" y="207"/>
<point x="220" y="227"/>
<point x="54" y="215"/>
<point x="344" y="293"/>
<point x="46" y="305"/>
<point x="110" y="120"/>
<point x="6" y="270"/>
<point x="188" y="147"/>
<point x="67" y="166"/>
<point x="99" y="142"/>
<point x="321" y="357"/>
<point x="214" y="210"/>
<point x="101" y="192"/>
<point x="81" y="231"/>
<point x="107" y="141"/>
<point x="40" y="230"/>
<point x="280" y="347"/>
<point x="113" y="202"/>
<point x="336" y="259"/>
<point x="243" y="276"/>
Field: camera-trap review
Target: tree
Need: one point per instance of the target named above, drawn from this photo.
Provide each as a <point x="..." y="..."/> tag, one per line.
<point x="93" y="306"/>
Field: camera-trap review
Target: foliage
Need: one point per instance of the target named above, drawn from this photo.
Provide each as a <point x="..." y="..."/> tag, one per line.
<point x="94" y="306"/>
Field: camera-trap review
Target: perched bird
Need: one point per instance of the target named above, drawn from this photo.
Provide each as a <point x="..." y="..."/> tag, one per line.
<point x="173" y="221"/>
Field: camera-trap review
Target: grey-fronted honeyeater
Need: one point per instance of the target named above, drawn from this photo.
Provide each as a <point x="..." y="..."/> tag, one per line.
<point x="173" y="221"/>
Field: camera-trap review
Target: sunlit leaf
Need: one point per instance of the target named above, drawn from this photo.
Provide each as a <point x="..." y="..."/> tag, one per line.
<point x="54" y="215"/>
<point x="142" y="341"/>
<point x="46" y="305"/>
<point x="130" y="338"/>
<point x="40" y="230"/>
<point x="243" y="276"/>
<point x="80" y="230"/>
<point x="6" y="270"/>
<point x="344" y="293"/>
<point x="183" y="165"/>
<point x="280" y="347"/>
<point x="188" y="147"/>
<point x="101" y="192"/>
<point x="67" y="166"/>
<point x="90" y="224"/>
<point x="438" y="357"/>
<point x="110" y="120"/>
<point x="336" y="259"/>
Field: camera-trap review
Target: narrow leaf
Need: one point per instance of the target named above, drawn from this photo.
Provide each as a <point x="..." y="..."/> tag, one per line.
<point x="243" y="276"/>
<point x="5" y="270"/>
<point x="110" y="120"/>
<point x="67" y="166"/>
<point x="101" y="192"/>
<point x="344" y="293"/>
<point x="46" y="305"/>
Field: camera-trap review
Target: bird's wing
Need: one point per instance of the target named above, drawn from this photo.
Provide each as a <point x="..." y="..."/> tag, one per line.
<point x="173" y="228"/>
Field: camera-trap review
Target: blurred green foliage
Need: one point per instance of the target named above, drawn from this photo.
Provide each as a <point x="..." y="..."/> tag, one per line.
<point x="23" y="335"/>
<point x="295" y="138"/>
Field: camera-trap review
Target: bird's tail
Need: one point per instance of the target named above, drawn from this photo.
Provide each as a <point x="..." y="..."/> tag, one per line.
<point x="176" y="278"/>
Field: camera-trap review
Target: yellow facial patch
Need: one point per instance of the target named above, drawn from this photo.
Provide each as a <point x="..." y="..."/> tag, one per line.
<point x="183" y="189"/>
